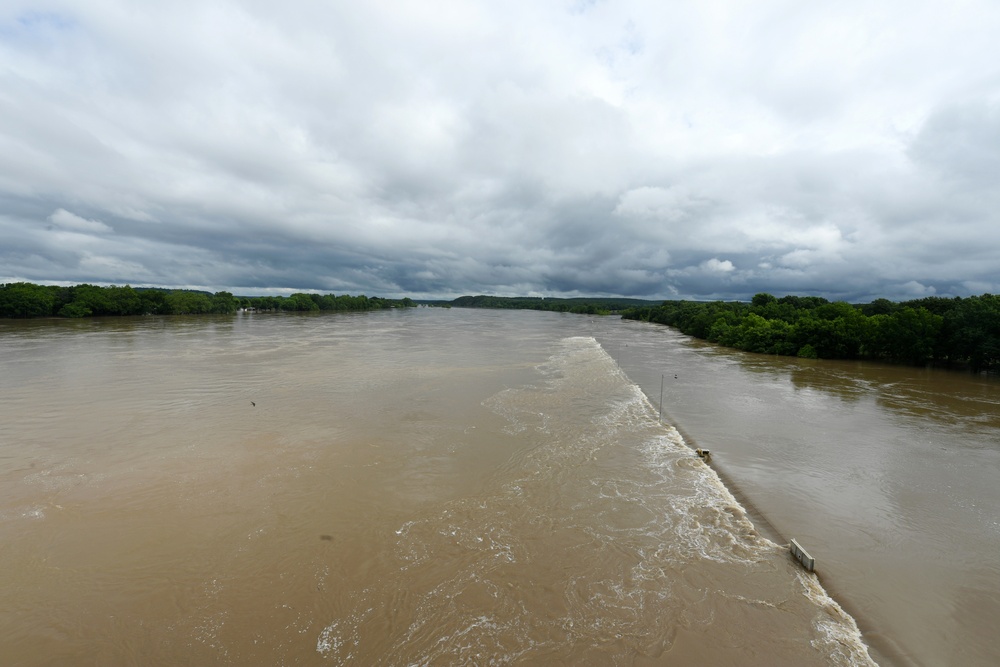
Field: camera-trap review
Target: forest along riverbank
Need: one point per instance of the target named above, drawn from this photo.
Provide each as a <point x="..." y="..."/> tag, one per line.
<point x="886" y="474"/>
<point x="403" y="487"/>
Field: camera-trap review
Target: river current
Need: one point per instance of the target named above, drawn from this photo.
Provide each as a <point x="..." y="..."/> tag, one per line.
<point x="433" y="487"/>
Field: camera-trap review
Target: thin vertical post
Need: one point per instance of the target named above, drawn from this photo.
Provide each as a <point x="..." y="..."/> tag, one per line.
<point x="660" y="418"/>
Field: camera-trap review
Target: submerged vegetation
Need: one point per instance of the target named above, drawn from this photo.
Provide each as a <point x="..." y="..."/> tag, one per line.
<point x="938" y="330"/>
<point x="29" y="300"/>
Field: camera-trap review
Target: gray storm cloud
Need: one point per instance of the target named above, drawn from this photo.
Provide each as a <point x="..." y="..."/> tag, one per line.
<point x="658" y="150"/>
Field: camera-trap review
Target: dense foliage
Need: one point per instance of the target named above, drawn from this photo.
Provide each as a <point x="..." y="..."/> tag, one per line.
<point x="586" y="306"/>
<point x="323" y="302"/>
<point x="30" y="300"/>
<point x="930" y="330"/>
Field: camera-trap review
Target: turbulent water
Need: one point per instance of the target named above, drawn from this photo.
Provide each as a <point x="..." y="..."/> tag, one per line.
<point x="422" y="487"/>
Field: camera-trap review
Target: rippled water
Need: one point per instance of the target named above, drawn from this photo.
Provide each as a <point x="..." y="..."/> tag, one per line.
<point x="412" y="488"/>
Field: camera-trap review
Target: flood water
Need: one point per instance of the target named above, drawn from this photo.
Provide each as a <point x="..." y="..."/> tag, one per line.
<point x="434" y="487"/>
<point x="887" y="475"/>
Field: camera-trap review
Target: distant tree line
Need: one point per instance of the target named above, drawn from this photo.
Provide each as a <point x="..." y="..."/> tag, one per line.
<point x="323" y="302"/>
<point x="29" y="300"/>
<point x="939" y="330"/>
<point x="581" y="305"/>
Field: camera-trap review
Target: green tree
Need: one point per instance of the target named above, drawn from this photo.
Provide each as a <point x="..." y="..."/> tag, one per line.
<point x="123" y="301"/>
<point x="26" y="300"/>
<point x="300" y="302"/>
<point x="907" y="335"/>
<point x="188" y="303"/>
<point x="878" y="307"/>
<point x="224" y="302"/>
<point x="834" y="330"/>
<point x="973" y="332"/>
<point x="154" y="302"/>
<point x="74" y="309"/>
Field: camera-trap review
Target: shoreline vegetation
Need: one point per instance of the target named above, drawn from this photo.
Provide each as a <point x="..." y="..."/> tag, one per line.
<point x="576" y="305"/>
<point x="27" y="300"/>
<point x="951" y="332"/>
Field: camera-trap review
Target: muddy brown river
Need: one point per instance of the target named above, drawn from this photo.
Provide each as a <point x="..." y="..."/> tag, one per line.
<point x="438" y="487"/>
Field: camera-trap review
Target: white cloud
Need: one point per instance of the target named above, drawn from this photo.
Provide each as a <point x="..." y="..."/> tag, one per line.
<point x="453" y="147"/>
<point x="70" y="222"/>
<point x="916" y="289"/>
<point x="715" y="265"/>
<point x="666" y="204"/>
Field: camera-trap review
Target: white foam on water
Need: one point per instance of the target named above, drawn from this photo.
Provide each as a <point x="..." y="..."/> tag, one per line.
<point x="328" y="641"/>
<point x="731" y="537"/>
<point x="599" y="483"/>
<point x="341" y="638"/>
<point x="838" y="633"/>
<point x="518" y="419"/>
<point x="207" y="632"/>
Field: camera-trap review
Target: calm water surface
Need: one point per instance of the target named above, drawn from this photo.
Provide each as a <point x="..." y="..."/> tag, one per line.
<point x="474" y="487"/>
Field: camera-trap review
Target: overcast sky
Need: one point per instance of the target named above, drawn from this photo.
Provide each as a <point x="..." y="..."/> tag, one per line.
<point x="648" y="148"/>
